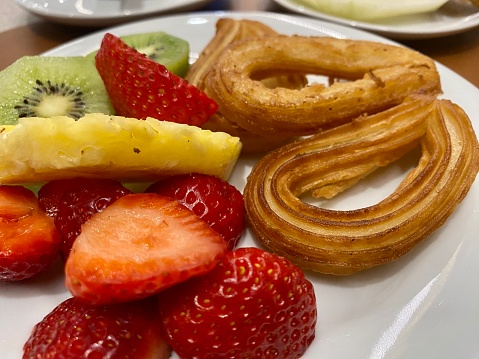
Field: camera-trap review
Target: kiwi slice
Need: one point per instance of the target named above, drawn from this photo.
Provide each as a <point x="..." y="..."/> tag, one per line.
<point x="42" y="86"/>
<point x="170" y="51"/>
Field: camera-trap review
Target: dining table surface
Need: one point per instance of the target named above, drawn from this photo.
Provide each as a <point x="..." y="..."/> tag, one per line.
<point x="22" y="33"/>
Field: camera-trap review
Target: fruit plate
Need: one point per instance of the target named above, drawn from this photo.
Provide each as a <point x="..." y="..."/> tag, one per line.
<point x="100" y="13"/>
<point x="452" y="18"/>
<point x="423" y="305"/>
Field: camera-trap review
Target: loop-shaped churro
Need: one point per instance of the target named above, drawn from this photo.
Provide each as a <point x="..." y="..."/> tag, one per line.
<point x="229" y="31"/>
<point x="379" y="76"/>
<point x="344" y="242"/>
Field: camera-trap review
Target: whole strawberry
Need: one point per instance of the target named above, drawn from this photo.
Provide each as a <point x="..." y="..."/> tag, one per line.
<point x="29" y="241"/>
<point x="140" y="87"/>
<point x="254" y="304"/>
<point x="71" y="202"/>
<point x="78" y="330"/>
<point x="215" y="201"/>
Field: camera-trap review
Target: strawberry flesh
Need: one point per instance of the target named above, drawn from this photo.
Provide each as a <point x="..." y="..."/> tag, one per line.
<point x="138" y="246"/>
<point x="29" y="241"/>
<point x="75" y="329"/>
<point x="140" y="87"/>
<point x="71" y="202"/>
<point x="254" y="304"/>
<point x="215" y="201"/>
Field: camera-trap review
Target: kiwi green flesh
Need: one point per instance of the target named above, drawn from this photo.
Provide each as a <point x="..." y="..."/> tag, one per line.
<point x="170" y="51"/>
<point x="166" y="49"/>
<point x="42" y="86"/>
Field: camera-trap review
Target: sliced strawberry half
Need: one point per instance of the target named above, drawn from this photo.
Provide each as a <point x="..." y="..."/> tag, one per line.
<point x="137" y="246"/>
<point x="75" y="329"/>
<point x="29" y="241"/>
<point x="140" y="87"/>
<point x="71" y="202"/>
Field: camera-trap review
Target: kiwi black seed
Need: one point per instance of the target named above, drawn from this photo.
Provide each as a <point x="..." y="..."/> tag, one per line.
<point x="168" y="50"/>
<point x="43" y="86"/>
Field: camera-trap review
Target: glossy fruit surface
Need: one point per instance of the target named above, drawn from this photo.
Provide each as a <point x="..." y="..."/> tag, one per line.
<point x="214" y="200"/>
<point x="140" y="87"/>
<point x="71" y="202"/>
<point x="76" y="330"/>
<point x="29" y="241"/>
<point x="138" y="246"/>
<point x="254" y="304"/>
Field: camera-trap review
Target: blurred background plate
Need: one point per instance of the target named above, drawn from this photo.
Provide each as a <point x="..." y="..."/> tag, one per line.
<point x="98" y="13"/>
<point x="452" y="18"/>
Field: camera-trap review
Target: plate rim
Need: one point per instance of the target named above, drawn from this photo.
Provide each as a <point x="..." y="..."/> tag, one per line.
<point x="329" y="28"/>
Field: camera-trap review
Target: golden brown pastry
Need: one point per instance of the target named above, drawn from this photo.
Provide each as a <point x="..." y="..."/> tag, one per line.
<point x="229" y="31"/>
<point x="378" y="76"/>
<point x="345" y="242"/>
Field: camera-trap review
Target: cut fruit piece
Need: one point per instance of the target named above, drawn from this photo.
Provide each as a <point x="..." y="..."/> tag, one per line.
<point x="40" y="86"/>
<point x="217" y="202"/>
<point x="101" y="146"/>
<point x="72" y="202"/>
<point x="139" y="245"/>
<point x="253" y="304"/>
<point x="75" y="329"/>
<point x="168" y="50"/>
<point x="29" y="242"/>
<point x="140" y="87"/>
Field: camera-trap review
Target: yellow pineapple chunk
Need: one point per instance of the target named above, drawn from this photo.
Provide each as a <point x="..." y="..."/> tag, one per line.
<point x="97" y="145"/>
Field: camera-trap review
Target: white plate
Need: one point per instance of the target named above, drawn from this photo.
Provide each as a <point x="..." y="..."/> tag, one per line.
<point x="424" y="305"/>
<point x="104" y="12"/>
<point x="452" y="18"/>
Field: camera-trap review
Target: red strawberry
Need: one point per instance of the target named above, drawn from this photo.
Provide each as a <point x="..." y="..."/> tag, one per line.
<point x="29" y="242"/>
<point x="215" y="201"/>
<point x="138" y="246"/>
<point x="140" y="87"/>
<point x="254" y="304"/>
<point x="71" y="202"/>
<point x="75" y="329"/>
